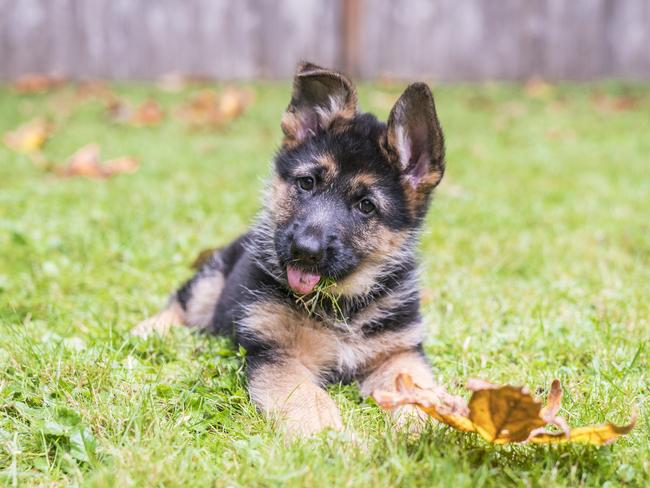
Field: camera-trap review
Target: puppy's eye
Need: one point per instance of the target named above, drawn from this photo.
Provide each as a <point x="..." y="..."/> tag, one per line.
<point x="306" y="183"/>
<point x="366" y="206"/>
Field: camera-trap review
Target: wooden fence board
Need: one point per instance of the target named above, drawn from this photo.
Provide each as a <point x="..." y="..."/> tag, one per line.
<point x="442" y="39"/>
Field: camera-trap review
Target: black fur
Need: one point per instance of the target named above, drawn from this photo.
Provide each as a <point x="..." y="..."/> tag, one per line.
<point x="324" y="229"/>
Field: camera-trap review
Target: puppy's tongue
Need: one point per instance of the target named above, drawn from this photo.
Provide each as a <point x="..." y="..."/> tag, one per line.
<point x="300" y="281"/>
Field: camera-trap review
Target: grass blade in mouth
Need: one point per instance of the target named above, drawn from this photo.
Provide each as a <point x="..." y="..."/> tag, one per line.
<point x="315" y="302"/>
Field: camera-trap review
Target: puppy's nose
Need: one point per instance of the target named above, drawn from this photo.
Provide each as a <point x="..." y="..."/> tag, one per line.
<point x="307" y="249"/>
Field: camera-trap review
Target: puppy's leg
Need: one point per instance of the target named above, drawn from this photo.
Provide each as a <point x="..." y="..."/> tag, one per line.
<point x="287" y="392"/>
<point x="160" y="323"/>
<point x="193" y="304"/>
<point x="383" y="377"/>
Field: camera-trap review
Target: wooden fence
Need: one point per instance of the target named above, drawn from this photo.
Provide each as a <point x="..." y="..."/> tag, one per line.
<point x="440" y="39"/>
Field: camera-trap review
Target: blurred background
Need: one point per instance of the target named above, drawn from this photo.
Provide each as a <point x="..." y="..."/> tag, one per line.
<point x="449" y="40"/>
<point x="135" y="133"/>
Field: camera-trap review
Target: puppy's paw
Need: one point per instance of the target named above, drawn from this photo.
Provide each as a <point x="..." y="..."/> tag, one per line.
<point x="410" y="418"/>
<point x="311" y="419"/>
<point x="160" y="323"/>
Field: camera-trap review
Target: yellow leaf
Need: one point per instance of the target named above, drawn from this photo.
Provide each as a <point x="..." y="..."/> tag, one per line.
<point x="500" y="414"/>
<point x="439" y="404"/>
<point x="29" y="137"/>
<point x="86" y="162"/>
<point x="598" y="435"/>
<point x="504" y="413"/>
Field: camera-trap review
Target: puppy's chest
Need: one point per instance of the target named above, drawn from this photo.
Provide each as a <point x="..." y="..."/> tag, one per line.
<point x="342" y="349"/>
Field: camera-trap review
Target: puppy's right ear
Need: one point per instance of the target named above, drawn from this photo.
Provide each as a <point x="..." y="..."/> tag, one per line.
<point x="319" y="96"/>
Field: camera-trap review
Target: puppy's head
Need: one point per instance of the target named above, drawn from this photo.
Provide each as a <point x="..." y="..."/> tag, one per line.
<point x="349" y="191"/>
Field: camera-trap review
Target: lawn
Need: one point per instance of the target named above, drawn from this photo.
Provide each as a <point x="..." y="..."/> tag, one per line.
<point x="536" y="265"/>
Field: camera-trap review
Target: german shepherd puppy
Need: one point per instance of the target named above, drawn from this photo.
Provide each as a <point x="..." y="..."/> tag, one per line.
<point x="323" y="288"/>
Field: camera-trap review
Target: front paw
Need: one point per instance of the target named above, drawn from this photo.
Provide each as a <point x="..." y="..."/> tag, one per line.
<point x="160" y="323"/>
<point x="409" y="418"/>
<point x="310" y="419"/>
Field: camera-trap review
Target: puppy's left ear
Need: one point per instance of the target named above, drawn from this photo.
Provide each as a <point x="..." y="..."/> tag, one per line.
<point x="415" y="142"/>
<point x="319" y="97"/>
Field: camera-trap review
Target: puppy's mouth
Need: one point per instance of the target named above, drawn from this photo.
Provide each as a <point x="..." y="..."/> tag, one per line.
<point x="301" y="281"/>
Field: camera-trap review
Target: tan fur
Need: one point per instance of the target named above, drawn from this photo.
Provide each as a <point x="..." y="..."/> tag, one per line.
<point x="338" y="107"/>
<point x="279" y="201"/>
<point x="383" y="378"/>
<point x="161" y="322"/>
<point x="290" y="125"/>
<point x="417" y="197"/>
<point x="205" y="294"/>
<point x="319" y="347"/>
<point x="385" y="245"/>
<point x="329" y="164"/>
<point x="287" y="392"/>
<point x="340" y="104"/>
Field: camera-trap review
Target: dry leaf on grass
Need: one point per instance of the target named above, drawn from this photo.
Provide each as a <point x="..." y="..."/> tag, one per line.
<point x="148" y="113"/>
<point x="175" y="81"/>
<point x="29" y="137"/>
<point x="538" y="88"/>
<point x="86" y="162"/>
<point x="37" y="82"/>
<point x="499" y="414"/>
<point x="208" y="109"/>
<point x="606" y="103"/>
<point x="94" y="89"/>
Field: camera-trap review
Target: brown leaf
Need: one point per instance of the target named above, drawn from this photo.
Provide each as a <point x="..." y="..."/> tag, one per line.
<point x="124" y="164"/>
<point x="538" y="88"/>
<point x="614" y="103"/>
<point x="118" y="110"/>
<point x="598" y="435"/>
<point x="439" y="404"/>
<point x="504" y="413"/>
<point x="553" y="404"/>
<point x="148" y="113"/>
<point x="500" y="414"/>
<point x="207" y="109"/>
<point x="37" y="82"/>
<point x="29" y="137"/>
<point x="94" y="89"/>
<point x="175" y="81"/>
<point x="87" y="163"/>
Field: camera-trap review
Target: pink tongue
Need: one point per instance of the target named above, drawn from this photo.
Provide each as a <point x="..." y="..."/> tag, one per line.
<point x="300" y="281"/>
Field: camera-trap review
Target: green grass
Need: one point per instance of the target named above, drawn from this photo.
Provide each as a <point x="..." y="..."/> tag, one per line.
<point x="536" y="265"/>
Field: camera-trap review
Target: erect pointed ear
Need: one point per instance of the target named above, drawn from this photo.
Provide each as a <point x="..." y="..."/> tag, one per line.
<point x="415" y="141"/>
<point x="319" y="96"/>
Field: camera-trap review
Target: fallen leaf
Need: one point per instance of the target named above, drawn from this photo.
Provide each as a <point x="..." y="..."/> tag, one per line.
<point x="124" y="164"/>
<point x="94" y="89"/>
<point x="86" y="162"/>
<point x="118" y="110"/>
<point x="208" y="109"/>
<point x="538" y="88"/>
<point x="148" y="113"/>
<point x="499" y="413"/>
<point x="444" y="407"/>
<point x="614" y="103"/>
<point x="37" y="82"/>
<point x="29" y="137"/>
<point x="598" y="435"/>
<point x="504" y="414"/>
<point x="553" y="404"/>
<point x="175" y="81"/>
